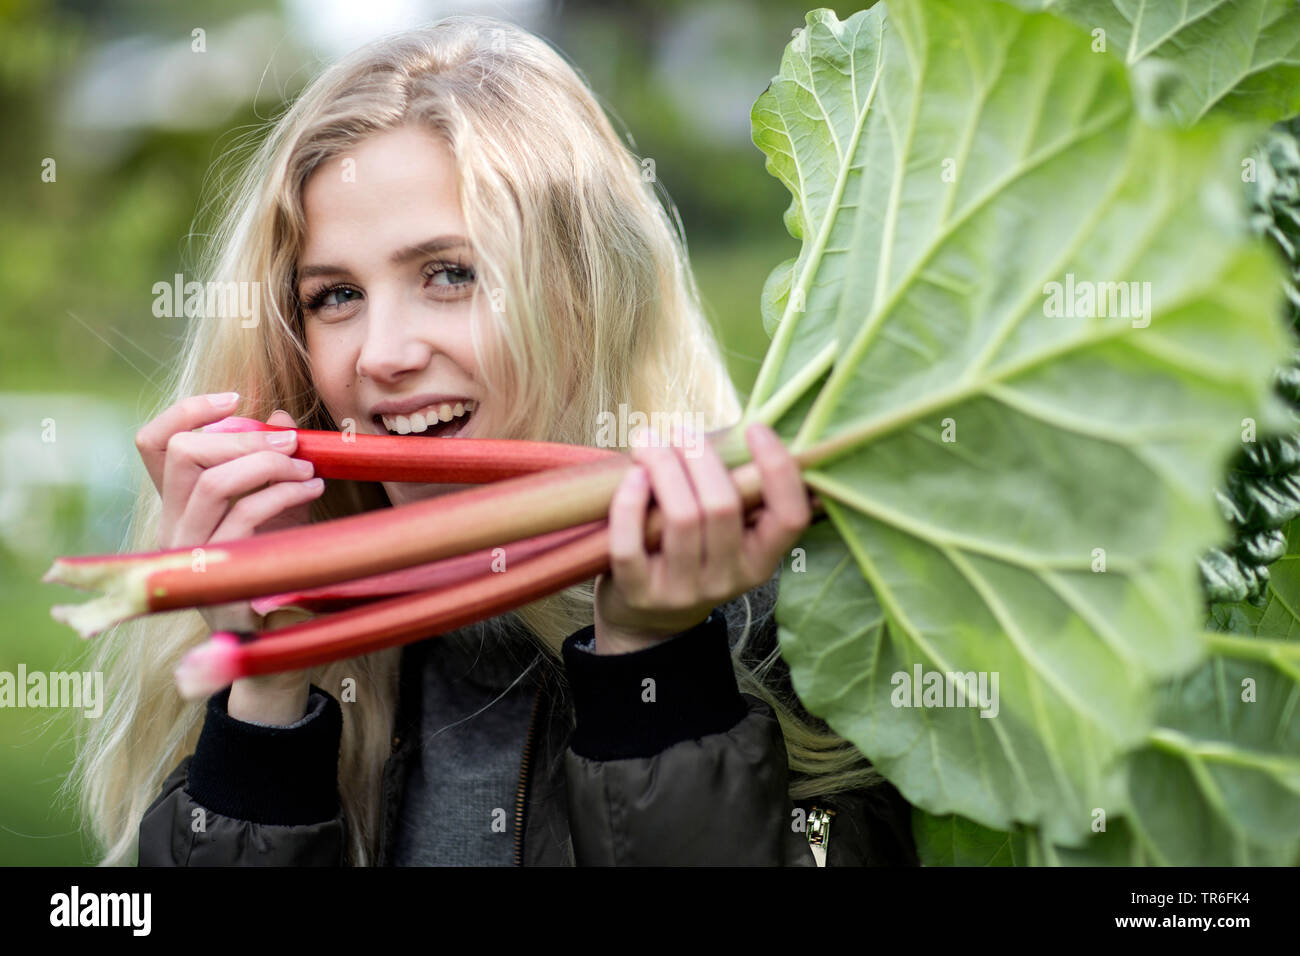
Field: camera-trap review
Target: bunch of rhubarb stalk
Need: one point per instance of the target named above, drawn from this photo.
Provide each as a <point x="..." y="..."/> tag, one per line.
<point x="386" y="577"/>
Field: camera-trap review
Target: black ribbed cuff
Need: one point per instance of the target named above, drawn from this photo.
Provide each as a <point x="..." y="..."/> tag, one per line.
<point x="274" y="775"/>
<point x="694" y="693"/>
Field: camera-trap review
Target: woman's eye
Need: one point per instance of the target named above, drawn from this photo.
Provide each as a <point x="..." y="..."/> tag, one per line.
<point x="447" y="275"/>
<point x="323" y="298"/>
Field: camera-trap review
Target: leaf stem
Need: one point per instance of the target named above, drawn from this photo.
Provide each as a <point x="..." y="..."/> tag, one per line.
<point x="1232" y="754"/>
<point x="790" y="393"/>
<point x="1283" y="655"/>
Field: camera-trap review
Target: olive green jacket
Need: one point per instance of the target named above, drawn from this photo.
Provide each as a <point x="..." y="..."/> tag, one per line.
<point x="697" y="777"/>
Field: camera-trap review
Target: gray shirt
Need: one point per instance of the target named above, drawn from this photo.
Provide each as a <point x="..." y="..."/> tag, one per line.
<point x="458" y="808"/>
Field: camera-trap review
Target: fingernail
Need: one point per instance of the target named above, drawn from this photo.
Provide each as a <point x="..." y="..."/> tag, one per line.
<point x="281" y="439"/>
<point x="302" y="467"/>
<point x="316" y="484"/>
<point x="222" y="399"/>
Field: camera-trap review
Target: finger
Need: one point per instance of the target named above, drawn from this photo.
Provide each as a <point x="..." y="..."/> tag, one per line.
<point x="293" y="516"/>
<point x="190" y="413"/>
<point x="252" y="511"/>
<point x="674" y="574"/>
<point x="785" y="512"/>
<point x="627" y="515"/>
<point x="218" y="486"/>
<point x="190" y="454"/>
<point x="722" y="511"/>
<point x="281" y="417"/>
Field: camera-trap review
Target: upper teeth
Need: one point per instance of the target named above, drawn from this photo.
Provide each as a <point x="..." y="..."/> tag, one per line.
<point x="421" y="420"/>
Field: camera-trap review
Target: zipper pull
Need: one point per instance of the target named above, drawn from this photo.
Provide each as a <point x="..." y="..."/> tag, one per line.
<point x="819" y="832"/>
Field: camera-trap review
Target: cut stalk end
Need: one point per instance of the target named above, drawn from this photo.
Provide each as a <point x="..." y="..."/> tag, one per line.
<point x="86" y="575"/>
<point x="125" y="587"/>
<point x="93" y="616"/>
<point x="210" y="667"/>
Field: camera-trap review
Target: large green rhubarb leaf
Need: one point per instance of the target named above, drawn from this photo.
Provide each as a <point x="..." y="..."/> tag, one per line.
<point x="955" y="841"/>
<point x="1019" y="482"/>
<point x="1217" y="783"/>
<point x="1239" y="57"/>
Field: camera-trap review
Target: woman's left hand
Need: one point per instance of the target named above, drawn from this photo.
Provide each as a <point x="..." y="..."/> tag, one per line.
<point x="707" y="556"/>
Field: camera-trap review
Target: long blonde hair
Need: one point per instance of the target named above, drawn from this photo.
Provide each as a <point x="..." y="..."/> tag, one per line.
<point x="603" y="310"/>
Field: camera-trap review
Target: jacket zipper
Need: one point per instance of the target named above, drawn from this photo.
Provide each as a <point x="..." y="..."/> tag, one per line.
<point x="522" y="792"/>
<point x="819" y="832"/>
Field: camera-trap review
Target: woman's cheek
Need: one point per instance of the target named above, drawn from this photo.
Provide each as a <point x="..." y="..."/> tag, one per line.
<point x="327" y="367"/>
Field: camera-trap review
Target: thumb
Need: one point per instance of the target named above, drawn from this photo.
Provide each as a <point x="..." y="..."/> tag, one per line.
<point x="281" y="417"/>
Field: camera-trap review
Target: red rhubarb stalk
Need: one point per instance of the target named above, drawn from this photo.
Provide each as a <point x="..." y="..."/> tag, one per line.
<point x="451" y="461"/>
<point x="352" y="547"/>
<point x="225" y="658"/>
<point x="422" y="577"/>
<point x="339" y="550"/>
<point x="388" y="623"/>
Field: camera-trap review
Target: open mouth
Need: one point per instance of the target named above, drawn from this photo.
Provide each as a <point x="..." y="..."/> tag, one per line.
<point x="419" y="427"/>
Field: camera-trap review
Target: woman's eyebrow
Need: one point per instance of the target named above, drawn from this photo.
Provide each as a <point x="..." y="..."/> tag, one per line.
<point x="425" y="248"/>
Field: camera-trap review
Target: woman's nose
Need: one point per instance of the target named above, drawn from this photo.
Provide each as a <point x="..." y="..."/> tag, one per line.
<point x="392" y="345"/>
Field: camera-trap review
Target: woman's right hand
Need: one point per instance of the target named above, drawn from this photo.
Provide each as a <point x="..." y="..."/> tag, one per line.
<point x="221" y="486"/>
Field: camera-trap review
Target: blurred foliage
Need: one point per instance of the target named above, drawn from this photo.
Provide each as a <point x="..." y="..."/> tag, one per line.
<point x="79" y="255"/>
<point x="1261" y="493"/>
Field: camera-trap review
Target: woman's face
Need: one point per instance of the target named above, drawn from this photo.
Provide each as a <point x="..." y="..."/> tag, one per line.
<point x="385" y="279"/>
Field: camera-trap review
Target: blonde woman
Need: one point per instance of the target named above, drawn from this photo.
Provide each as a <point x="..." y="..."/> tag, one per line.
<point x="447" y="238"/>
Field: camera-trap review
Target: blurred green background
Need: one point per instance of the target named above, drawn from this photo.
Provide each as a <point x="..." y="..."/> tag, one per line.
<point x="137" y="125"/>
